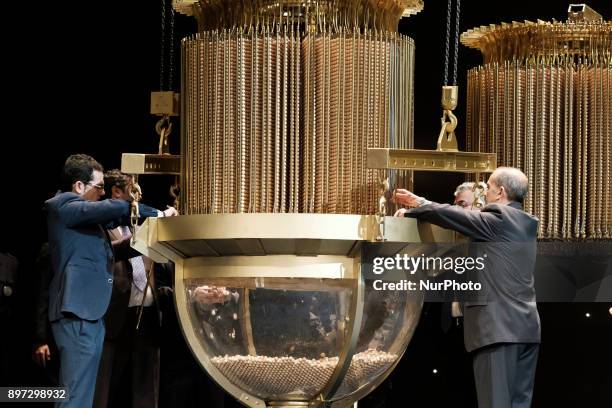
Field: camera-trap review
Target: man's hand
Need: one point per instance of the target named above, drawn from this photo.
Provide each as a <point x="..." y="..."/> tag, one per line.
<point x="401" y="212"/>
<point x="170" y="212"/>
<point x="41" y="355"/>
<point x="208" y="295"/>
<point x="407" y="198"/>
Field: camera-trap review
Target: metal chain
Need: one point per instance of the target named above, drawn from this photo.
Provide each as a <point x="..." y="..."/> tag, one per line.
<point x="455" y="43"/>
<point x="457" y="14"/>
<point x="446" y="49"/>
<point x="171" y="51"/>
<point x="162" y="43"/>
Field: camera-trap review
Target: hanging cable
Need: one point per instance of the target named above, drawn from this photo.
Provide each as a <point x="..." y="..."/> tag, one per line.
<point x="450" y="93"/>
<point x="456" y="44"/>
<point x="448" y="42"/>
<point x="166" y="45"/>
<point x="162" y="45"/>
<point x="171" y="52"/>
<point x="447" y="45"/>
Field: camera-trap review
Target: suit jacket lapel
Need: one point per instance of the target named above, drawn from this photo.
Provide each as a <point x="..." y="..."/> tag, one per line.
<point x="114" y="234"/>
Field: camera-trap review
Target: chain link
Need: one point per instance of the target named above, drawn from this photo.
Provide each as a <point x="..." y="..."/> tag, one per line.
<point x="167" y="13"/>
<point x="171" y="51"/>
<point x="162" y="45"/>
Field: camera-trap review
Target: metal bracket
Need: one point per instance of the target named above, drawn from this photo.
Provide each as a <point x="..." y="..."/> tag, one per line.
<point x="582" y="12"/>
<point x="447" y="142"/>
<point x="431" y="160"/>
<point x="139" y="163"/>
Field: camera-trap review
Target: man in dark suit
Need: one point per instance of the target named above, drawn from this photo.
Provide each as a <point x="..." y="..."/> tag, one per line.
<point x="502" y="330"/>
<point x="130" y="356"/>
<point x="82" y="259"/>
<point x="8" y="276"/>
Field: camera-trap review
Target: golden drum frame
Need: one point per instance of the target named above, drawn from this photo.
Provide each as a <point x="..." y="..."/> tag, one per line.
<point x="279" y="120"/>
<point x="541" y="102"/>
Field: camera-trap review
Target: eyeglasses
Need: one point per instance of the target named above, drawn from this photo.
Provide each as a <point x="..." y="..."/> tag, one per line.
<point x="468" y="205"/>
<point x="463" y="204"/>
<point x="98" y="186"/>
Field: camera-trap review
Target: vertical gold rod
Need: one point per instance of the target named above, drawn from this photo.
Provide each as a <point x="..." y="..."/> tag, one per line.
<point x="590" y="165"/>
<point x="370" y="198"/>
<point x="571" y="212"/>
<point x="585" y="149"/>
<point x="277" y="60"/>
<point x="284" y="116"/>
<point x="186" y="164"/>
<point x="550" y="151"/>
<point x="593" y="159"/>
<point x="519" y="128"/>
<point x="291" y="137"/>
<point x="308" y="117"/>
<point x="529" y="135"/>
<point x="558" y="201"/>
<point x="241" y="122"/>
<point x="195" y="125"/>
<point x="509" y="124"/>
<point x="216" y="117"/>
<point x="354" y="123"/>
<point x="362" y="127"/>
<point x="211" y="122"/>
<point x="608" y="151"/>
<point x="254" y="133"/>
<point x="296" y="122"/>
<point x="340" y="130"/>
<point x="578" y="84"/>
<point x="266" y="125"/>
<point x="225" y="93"/>
<point x="196" y="122"/>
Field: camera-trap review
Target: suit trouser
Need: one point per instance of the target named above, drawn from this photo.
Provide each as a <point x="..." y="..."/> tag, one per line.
<point x="131" y="361"/>
<point x="505" y="374"/>
<point x="79" y="343"/>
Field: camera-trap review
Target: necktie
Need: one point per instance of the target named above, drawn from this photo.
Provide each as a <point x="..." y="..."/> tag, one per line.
<point x="139" y="274"/>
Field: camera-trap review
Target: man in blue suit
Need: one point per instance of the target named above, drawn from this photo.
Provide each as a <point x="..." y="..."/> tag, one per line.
<point x="82" y="260"/>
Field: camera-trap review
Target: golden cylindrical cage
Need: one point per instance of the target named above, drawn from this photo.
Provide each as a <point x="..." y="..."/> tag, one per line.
<point x="542" y="102"/>
<point x="280" y="101"/>
<point x="281" y="104"/>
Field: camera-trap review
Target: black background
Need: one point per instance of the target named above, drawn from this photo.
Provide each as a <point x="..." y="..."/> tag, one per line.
<point x="77" y="79"/>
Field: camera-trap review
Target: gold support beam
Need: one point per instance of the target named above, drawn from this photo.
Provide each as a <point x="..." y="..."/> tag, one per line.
<point x="431" y="160"/>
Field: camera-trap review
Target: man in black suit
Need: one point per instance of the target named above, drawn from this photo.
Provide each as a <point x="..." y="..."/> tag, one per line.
<point x="130" y="356"/>
<point x="8" y="277"/>
<point x="502" y="330"/>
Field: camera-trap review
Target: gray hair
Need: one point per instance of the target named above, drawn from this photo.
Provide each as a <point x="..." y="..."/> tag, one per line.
<point x="514" y="182"/>
<point x="470" y="185"/>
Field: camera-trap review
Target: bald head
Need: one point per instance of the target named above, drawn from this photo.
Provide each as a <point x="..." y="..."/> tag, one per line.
<point x="507" y="184"/>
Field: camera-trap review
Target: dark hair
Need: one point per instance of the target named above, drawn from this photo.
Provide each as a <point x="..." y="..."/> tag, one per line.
<point x="115" y="178"/>
<point x="79" y="167"/>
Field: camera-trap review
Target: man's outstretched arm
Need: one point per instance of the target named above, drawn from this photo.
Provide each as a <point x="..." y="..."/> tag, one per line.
<point x="473" y="224"/>
<point x="477" y="225"/>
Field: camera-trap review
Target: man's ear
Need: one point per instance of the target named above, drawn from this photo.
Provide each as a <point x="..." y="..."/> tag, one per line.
<point x="116" y="192"/>
<point x="78" y="187"/>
